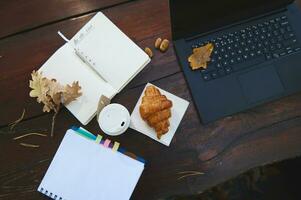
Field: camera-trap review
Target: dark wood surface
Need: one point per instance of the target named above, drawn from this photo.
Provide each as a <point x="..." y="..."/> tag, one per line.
<point x="222" y="149"/>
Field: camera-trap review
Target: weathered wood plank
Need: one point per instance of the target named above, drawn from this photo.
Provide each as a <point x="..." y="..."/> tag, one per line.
<point x="139" y="20"/>
<point x="18" y="15"/>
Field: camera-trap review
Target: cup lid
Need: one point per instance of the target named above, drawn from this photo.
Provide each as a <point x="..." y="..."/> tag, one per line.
<point x="114" y="119"/>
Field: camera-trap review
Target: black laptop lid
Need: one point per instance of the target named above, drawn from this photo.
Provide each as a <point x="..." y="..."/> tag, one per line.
<point x="190" y="17"/>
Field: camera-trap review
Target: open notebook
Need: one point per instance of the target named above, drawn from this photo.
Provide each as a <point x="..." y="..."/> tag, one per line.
<point x="86" y="167"/>
<point x="102" y="58"/>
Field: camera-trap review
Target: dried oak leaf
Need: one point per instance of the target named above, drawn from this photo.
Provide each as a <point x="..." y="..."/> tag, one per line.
<point x="55" y="90"/>
<point x="37" y="84"/>
<point x="71" y="93"/>
<point x="51" y="93"/>
<point x="200" y="56"/>
<point x="54" y="95"/>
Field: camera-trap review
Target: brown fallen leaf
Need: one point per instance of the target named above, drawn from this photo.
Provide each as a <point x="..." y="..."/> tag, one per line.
<point x="70" y="93"/>
<point x="200" y="56"/>
<point x="39" y="89"/>
<point x="52" y="94"/>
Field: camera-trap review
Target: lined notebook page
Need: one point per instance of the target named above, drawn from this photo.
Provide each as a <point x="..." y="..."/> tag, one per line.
<point x="82" y="169"/>
<point x="116" y="57"/>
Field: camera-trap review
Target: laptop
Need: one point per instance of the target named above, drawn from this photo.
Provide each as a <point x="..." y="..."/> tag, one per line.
<point x="256" y="56"/>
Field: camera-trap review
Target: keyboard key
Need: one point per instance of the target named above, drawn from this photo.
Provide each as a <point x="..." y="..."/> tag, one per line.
<point x="225" y="63"/>
<point x="228" y="70"/>
<point x="284" y="23"/>
<point x="282" y="31"/>
<point x="282" y="53"/>
<point x="290" y="42"/>
<point x="194" y="46"/>
<point x="238" y="59"/>
<point x="288" y="48"/>
<point x="206" y="77"/>
<point x="279" y="46"/>
<point x="214" y="75"/>
<point x="283" y="17"/>
<point x="221" y="72"/>
<point x="290" y="35"/>
<point x="218" y="65"/>
<point x="279" y="38"/>
<point x="232" y="61"/>
<point x="276" y="55"/>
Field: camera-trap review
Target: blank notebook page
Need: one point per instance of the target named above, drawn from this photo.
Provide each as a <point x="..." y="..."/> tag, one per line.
<point x="117" y="58"/>
<point x="82" y="169"/>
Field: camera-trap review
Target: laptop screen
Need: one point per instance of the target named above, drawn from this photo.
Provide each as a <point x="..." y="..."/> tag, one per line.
<point x="200" y="16"/>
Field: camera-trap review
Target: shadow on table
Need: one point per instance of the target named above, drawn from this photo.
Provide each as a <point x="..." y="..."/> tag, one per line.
<point x="279" y="181"/>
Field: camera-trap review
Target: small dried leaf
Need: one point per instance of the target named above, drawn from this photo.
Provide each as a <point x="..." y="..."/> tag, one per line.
<point x="37" y="84"/>
<point x="55" y="90"/>
<point x="71" y="93"/>
<point x="200" y="57"/>
<point x="149" y="52"/>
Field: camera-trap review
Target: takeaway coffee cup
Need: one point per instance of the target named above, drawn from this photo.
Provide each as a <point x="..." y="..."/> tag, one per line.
<point x="114" y="119"/>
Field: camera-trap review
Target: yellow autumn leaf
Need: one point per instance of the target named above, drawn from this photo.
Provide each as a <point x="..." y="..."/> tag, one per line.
<point x="200" y="56"/>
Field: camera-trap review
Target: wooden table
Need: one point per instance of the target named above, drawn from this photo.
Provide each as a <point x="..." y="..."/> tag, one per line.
<point x="221" y="150"/>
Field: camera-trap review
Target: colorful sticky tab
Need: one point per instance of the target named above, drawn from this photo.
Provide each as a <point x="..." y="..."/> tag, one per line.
<point x="84" y="133"/>
<point x="116" y="146"/>
<point x="98" y="139"/>
<point x="107" y="143"/>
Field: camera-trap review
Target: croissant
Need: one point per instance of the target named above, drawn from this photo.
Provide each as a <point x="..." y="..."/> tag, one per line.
<point x="155" y="109"/>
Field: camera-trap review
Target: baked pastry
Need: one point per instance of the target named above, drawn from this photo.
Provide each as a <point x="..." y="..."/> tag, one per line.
<point x="155" y="109"/>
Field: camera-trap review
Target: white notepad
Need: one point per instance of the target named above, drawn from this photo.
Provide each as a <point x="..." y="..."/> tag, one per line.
<point x="102" y="58"/>
<point x="82" y="169"/>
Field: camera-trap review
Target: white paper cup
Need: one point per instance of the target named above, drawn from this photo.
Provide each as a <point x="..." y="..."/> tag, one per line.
<point x="114" y="119"/>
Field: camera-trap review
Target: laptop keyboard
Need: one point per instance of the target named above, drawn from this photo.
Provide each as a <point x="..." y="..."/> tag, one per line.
<point x="250" y="46"/>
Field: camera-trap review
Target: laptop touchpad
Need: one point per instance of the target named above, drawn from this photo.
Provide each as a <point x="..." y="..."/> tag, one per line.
<point x="260" y="84"/>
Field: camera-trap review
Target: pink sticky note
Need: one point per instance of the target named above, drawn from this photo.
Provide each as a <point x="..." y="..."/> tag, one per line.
<point x="107" y="143"/>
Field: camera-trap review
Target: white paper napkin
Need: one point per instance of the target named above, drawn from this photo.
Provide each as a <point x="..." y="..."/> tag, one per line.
<point x="177" y="112"/>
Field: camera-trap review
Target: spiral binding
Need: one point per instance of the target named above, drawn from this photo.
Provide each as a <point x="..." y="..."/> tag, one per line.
<point x="50" y="194"/>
